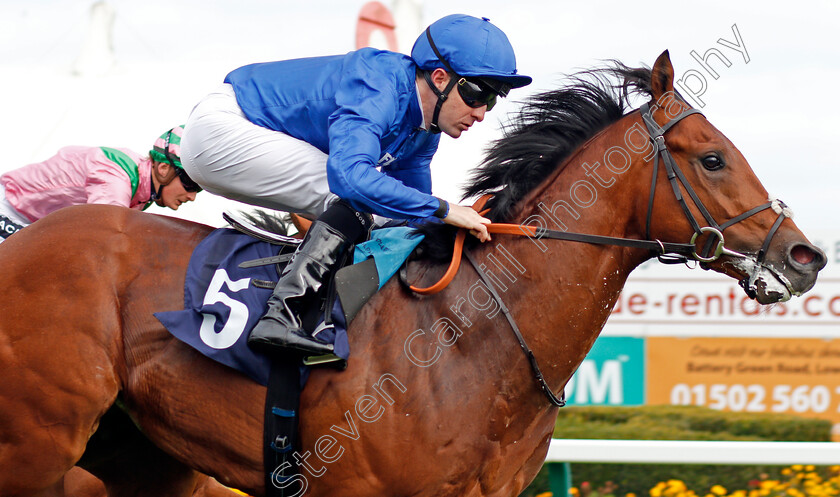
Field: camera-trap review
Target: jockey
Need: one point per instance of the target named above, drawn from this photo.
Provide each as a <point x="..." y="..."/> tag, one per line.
<point x="343" y="137"/>
<point x="95" y="175"/>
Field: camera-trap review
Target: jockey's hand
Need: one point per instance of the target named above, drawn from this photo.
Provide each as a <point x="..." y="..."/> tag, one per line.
<point x="466" y="217"/>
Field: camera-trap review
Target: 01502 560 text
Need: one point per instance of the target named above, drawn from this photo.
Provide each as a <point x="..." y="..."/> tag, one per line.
<point x="759" y="398"/>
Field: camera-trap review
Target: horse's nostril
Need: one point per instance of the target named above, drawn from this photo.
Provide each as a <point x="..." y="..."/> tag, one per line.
<point x="807" y="255"/>
<point x="802" y="254"/>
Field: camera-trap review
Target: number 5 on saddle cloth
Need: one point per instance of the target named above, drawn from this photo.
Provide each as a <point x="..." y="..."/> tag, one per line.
<point x="231" y="276"/>
<point x="229" y="279"/>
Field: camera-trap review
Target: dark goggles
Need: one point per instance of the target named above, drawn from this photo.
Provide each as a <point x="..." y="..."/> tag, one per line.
<point x="476" y="94"/>
<point x="188" y="183"/>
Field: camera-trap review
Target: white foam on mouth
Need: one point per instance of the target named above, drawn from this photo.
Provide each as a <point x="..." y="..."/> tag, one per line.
<point x="774" y="282"/>
<point x="771" y="282"/>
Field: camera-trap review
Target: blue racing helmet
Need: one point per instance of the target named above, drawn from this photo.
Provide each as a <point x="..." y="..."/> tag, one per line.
<point x="469" y="47"/>
<point x="476" y="52"/>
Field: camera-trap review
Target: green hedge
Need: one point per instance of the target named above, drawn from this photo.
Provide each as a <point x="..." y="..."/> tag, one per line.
<point x="675" y="423"/>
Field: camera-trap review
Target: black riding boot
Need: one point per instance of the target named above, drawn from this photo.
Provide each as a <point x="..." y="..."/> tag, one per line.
<point x="299" y="286"/>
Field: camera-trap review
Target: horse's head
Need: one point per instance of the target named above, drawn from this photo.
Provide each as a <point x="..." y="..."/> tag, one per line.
<point x="563" y="151"/>
<point x="737" y="228"/>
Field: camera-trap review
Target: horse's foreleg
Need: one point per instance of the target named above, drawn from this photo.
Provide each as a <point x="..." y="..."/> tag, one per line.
<point x="143" y="470"/>
<point x="208" y="487"/>
<point x="129" y="465"/>
<point x="55" y="490"/>
<point x="202" y="413"/>
<point x="50" y="404"/>
<point x="80" y="483"/>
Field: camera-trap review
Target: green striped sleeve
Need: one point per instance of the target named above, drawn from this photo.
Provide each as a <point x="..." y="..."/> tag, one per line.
<point x="127" y="164"/>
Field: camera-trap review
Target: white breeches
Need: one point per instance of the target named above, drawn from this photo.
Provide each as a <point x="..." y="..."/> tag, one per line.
<point x="230" y="156"/>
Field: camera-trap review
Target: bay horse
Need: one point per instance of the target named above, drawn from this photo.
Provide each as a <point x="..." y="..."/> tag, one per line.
<point x="80" y="483"/>
<point x="438" y="398"/>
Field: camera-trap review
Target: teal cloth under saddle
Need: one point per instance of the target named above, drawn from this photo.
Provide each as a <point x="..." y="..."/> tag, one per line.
<point x="389" y="247"/>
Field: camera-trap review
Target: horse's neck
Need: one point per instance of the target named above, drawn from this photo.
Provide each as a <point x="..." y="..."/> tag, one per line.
<point x="568" y="289"/>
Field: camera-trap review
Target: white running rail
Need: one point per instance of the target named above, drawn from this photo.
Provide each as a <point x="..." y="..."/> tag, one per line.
<point x="693" y="452"/>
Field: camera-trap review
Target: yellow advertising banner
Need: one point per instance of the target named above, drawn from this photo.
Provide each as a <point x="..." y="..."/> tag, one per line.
<point x="787" y="375"/>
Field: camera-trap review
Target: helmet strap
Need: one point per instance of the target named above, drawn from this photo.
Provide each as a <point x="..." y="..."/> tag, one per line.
<point x="442" y="96"/>
<point x="437" y="52"/>
<point x="158" y="195"/>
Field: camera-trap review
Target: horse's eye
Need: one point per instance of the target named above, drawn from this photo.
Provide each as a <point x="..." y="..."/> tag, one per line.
<point x="712" y="162"/>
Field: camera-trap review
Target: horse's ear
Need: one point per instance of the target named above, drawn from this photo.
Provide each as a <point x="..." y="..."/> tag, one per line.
<point x="662" y="76"/>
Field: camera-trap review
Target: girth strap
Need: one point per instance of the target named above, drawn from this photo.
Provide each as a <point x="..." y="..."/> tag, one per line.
<point x="280" y="430"/>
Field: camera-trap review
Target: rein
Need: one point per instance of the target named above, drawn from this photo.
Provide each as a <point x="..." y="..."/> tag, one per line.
<point x="667" y="253"/>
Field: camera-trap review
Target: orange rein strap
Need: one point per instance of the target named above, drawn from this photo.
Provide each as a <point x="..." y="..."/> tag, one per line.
<point x="659" y="248"/>
<point x="452" y="270"/>
<point x="507" y="229"/>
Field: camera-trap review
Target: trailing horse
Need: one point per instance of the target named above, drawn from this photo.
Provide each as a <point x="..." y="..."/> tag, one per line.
<point x="438" y="398"/>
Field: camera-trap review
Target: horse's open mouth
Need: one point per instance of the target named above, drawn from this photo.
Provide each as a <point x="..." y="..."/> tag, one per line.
<point x="770" y="288"/>
<point x="762" y="282"/>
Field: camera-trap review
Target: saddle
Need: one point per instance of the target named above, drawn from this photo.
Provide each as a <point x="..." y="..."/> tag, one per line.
<point x="349" y="288"/>
<point x="354" y="284"/>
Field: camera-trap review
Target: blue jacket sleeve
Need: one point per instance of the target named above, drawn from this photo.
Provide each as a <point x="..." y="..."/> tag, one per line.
<point x="419" y="178"/>
<point x="368" y="101"/>
<point x="414" y="169"/>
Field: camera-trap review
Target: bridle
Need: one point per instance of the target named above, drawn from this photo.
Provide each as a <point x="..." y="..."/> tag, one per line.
<point x="676" y="177"/>
<point x="668" y="253"/>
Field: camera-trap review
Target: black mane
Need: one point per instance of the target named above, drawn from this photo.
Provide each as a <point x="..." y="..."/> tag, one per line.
<point x="540" y="136"/>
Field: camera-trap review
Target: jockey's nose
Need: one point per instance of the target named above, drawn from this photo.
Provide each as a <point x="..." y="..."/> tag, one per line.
<point x="191" y="196"/>
<point x="478" y="113"/>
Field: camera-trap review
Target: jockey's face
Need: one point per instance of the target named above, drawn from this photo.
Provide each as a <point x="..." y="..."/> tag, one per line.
<point x="455" y="115"/>
<point x="173" y="194"/>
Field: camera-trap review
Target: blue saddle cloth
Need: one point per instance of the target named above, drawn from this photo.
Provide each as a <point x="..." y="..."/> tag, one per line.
<point x="221" y="304"/>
